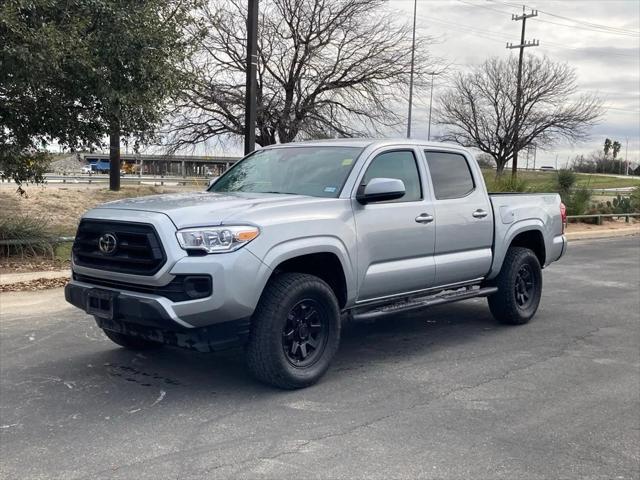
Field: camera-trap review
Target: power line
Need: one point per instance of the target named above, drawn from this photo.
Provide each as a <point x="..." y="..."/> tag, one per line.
<point x="578" y="27"/>
<point x="500" y="38"/>
<point x="585" y="25"/>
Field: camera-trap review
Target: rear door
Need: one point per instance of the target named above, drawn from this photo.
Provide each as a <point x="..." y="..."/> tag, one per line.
<point x="395" y="238"/>
<point x="464" y="234"/>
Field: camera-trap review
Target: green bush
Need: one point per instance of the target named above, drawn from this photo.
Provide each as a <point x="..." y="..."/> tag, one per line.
<point x="622" y="204"/>
<point x="565" y="181"/>
<point x="619" y="205"/>
<point x="578" y="201"/>
<point x="635" y="199"/>
<point x="31" y="234"/>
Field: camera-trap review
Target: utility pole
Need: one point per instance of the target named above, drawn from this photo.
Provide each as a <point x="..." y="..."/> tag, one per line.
<point x="430" y="105"/>
<point x="252" y="84"/>
<point x="523" y="44"/>
<point x="413" y="56"/>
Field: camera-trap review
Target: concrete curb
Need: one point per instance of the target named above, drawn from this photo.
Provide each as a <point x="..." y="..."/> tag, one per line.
<point x="595" y="234"/>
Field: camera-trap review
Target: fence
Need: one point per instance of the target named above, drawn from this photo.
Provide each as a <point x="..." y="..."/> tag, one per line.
<point x="599" y="216"/>
<point x="130" y="180"/>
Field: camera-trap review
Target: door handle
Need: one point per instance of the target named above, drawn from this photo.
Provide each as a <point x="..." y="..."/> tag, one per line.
<point x="424" y="218"/>
<point x="479" y="213"/>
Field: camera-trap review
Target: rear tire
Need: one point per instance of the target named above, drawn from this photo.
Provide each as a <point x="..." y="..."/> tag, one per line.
<point x="295" y="331"/>
<point x="519" y="287"/>
<point x="130" y="342"/>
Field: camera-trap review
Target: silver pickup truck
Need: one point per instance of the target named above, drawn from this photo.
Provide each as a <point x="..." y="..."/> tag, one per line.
<point x="294" y="238"/>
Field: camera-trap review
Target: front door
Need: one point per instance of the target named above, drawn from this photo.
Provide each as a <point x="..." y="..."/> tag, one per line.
<point x="395" y="238"/>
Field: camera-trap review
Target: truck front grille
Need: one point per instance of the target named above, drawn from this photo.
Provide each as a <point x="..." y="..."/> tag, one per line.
<point x="123" y="247"/>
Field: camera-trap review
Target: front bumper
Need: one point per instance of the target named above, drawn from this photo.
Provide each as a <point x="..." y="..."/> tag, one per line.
<point x="150" y="318"/>
<point x="238" y="279"/>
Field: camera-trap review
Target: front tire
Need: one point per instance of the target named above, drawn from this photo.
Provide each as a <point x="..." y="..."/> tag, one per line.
<point x="519" y="287"/>
<point x="130" y="342"/>
<point x="295" y="331"/>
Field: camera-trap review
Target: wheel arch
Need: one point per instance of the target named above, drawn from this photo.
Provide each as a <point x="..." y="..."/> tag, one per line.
<point x="528" y="234"/>
<point x="326" y="258"/>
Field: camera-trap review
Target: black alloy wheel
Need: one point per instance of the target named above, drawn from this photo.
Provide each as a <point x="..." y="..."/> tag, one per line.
<point x="524" y="286"/>
<point x="304" y="335"/>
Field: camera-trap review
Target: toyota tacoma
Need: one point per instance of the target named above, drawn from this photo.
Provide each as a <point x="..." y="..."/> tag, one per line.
<point x="296" y="237"/>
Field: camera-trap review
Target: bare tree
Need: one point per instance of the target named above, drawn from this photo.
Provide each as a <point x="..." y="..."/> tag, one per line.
<point x="326" y="68"/>
<point x="479" y="110"/>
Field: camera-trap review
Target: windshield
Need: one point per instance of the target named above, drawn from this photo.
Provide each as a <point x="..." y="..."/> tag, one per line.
<point x="313" y="171"/>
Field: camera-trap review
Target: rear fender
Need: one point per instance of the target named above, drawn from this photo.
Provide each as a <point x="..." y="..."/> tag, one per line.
<point x="502" y="244"/>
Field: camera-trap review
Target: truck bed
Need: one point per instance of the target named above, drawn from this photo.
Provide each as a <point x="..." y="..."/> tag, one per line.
<point x="517" y="212"/>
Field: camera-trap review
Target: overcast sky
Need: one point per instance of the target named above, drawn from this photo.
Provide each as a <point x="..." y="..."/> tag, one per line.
<point x="602" y="43"/>
<point x="599" y="38"/>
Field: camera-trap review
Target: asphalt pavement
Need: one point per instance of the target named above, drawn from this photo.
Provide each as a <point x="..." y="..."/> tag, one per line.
<point x="445" y="393"/>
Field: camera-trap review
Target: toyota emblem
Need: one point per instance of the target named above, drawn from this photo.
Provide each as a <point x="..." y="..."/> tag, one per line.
<point x="108" y="243"/>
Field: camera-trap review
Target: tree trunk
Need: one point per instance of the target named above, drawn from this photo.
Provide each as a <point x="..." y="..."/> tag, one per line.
<point x="114" y="157"/>
<point x="500" y="164"/>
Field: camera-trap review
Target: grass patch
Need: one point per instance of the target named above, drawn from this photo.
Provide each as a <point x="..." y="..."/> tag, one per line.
<point x="544" y="181"/>
<point x="63" y="206"/>
<point x="52" y="211"/>
<point x="29" y="234"/>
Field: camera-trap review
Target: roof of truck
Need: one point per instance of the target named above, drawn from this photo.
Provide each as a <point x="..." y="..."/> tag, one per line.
<point x="367" y="142"/>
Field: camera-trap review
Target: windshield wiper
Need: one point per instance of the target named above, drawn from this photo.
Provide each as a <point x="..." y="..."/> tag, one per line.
<point x="282" y="193"/>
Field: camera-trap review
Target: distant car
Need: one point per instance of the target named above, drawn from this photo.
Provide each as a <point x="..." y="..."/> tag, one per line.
<point x="101" y="166"/>
<point x="547" y="168"/>
<point x="87" y="169"/>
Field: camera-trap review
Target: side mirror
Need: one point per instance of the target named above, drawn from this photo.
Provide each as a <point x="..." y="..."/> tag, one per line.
<point x="212" y="181"/>
<point x="380" y="190"/>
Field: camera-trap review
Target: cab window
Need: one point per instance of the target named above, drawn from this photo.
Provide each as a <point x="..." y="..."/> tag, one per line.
<point x="400" y="164"/>
<point x="450" y="175"/>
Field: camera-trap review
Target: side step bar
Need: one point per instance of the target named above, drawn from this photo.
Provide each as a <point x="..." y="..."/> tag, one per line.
<point x="430" y="301"/>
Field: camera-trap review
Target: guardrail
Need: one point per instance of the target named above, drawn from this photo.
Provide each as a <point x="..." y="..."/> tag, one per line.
<point x="599" y="216"/>
<point x="150" y="180"/>
<point x="129" y="180"/>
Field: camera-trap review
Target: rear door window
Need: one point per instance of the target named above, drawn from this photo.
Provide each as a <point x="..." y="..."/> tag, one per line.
<point x="450" y="174"/>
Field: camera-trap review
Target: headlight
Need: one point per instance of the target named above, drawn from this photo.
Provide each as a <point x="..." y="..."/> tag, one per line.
<point x="217" y="239"/>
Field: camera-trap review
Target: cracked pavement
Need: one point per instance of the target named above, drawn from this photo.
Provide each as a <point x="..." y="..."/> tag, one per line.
<point x="442" y="393"/>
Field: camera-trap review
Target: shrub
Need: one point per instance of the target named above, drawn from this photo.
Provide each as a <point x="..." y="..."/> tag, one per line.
<point x="635" y="199"/>
<point x="564" y="182"/>
<point x="622" y="204"/>
<point x="32" y="231"/>
<point x="578" y="202"/>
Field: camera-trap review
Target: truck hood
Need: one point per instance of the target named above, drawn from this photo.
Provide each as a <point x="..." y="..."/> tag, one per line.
<point x="203" y="208"/>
